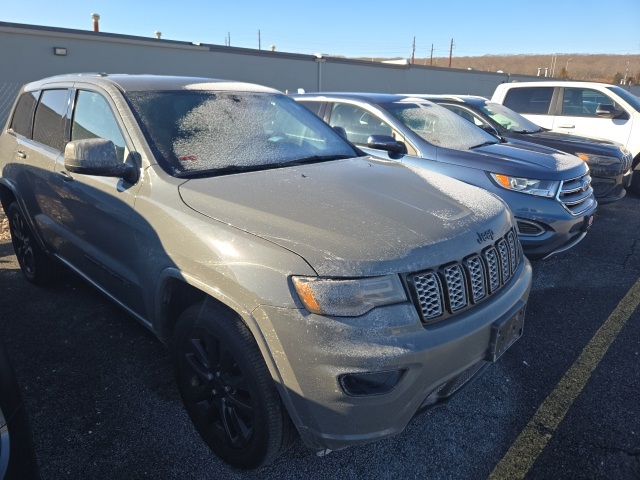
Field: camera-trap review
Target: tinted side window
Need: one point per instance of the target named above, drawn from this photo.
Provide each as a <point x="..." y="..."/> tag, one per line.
<point x="358" y="123"/>
<point x="93" y="118"/>
<point x="21" y="121"/>
<point x="529" y="99"/>
<point x="49" y="123"/>
<point x="583" y="102"/>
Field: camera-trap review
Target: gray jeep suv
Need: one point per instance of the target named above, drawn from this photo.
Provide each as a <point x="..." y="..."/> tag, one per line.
<point x="300" y="284"/>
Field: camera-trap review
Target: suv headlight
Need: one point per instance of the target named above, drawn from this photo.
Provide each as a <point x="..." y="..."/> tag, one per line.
<point x="348" y="298"/>
<point x="602" y="160"/>
<point x="540" y="188"/>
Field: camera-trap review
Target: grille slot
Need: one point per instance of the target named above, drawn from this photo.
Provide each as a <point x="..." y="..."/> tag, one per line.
<point x="440" y="292"/>
<point x="456" y="291"/>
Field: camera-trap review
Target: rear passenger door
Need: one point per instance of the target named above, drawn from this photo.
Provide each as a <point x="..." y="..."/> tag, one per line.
<point x="39" y="155"/>
<point x="578" y="115"/>
<point x="535" y="103"/>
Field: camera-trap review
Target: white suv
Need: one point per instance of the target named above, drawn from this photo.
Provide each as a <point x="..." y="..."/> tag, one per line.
<point x="583" y="108"/>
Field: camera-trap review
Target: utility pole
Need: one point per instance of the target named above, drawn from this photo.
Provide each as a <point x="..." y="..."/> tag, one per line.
<point x="259" y="41"/>
<point x="413" y="50"/>
<point x="450" y="53"/>
<point x="431" y="60"/>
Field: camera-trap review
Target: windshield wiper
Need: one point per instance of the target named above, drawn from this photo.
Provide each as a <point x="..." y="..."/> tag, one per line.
<point x="483" y="145"/>
<point x="214" y="172"/>
<point x="317" y="159"/>
<point x="526" y="131"/>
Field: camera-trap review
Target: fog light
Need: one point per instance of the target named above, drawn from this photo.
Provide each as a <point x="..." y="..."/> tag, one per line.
<point x="370" y="383"/>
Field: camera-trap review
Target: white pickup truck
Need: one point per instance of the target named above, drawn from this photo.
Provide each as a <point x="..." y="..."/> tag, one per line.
<point x="583" y="108"/>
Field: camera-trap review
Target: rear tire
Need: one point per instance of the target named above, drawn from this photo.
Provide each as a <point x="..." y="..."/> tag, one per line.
<point x="227" y="389"/>
<point x="36" y="265"/>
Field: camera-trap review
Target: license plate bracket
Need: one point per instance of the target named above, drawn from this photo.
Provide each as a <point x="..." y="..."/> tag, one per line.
<point x="504" y="333"/>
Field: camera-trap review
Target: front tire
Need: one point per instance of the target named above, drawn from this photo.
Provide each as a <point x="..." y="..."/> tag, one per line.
<point x="227" y="389"/>
<point x="34" y="262"/>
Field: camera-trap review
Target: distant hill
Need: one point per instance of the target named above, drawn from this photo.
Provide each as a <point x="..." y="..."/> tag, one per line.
<point x="596" y="67"/>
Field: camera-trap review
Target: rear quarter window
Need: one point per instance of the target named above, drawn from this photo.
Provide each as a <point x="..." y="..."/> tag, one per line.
<point x="534" y="100"/>
<point x="50" y="120"/>
<point x="21" y="121"/>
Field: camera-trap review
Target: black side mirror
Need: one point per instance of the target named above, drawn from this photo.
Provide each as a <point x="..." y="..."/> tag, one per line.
<point x="386" y="143"/>
<point x="97" y="156"/>
<point x="341" y="131"/>
<point x="606" y="110"/>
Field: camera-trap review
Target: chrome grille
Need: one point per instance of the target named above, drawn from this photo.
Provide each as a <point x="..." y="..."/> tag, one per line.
<point x="441" y="292"/>
<point x="576" y="195"/>
<point x="626" y="162"/>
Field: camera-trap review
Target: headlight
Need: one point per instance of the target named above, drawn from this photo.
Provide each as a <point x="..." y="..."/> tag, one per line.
<point x="540" y="188"/>
<point x="348" y="298"/>
<point x="602" y="160"/>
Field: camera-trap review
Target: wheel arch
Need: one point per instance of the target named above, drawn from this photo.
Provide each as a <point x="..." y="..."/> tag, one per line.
<point x="178" y="291"/>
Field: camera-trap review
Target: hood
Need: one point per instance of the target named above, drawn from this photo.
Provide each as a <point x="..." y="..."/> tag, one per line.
<point x="526" y="160"/>
<point x="576" y="143"/>
<point x="354" y="217"/>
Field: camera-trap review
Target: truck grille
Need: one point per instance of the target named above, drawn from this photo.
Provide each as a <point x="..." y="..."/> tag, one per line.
<point x="576" y="195"/>
<point x="626" y="162"/>
<point x="441" y="292"/>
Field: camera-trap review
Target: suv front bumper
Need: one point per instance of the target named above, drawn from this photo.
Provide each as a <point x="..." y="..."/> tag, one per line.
<point x="312" y="353"/>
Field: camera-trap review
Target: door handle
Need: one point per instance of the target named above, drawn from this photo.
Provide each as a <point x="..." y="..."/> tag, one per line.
<point x="21" y="154"/>
<point x="566" y="125"/>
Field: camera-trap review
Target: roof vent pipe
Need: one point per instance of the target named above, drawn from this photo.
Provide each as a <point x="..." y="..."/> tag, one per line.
<point x="158" y="35"/>
<point x="96" y="18"/>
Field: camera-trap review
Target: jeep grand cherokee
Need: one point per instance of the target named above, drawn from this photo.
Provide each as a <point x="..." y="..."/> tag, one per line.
<point x="300" y="284"/>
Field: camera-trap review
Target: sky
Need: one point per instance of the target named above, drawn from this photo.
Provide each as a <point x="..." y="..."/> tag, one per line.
<point x="355" y="28"/>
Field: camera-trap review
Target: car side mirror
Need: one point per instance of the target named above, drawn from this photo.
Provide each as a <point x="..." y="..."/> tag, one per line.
<point x="97" y="156"/>
<point x="386" y="143"/>
<point x="606" y="110"/>
<point x="341" y="131"/>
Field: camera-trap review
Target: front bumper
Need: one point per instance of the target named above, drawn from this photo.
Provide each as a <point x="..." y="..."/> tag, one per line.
<point x="311" y="353"/>
<point x="554" y="230"/>
<point x="608" y="189"/>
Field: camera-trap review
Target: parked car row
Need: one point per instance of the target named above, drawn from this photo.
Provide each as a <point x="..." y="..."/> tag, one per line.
<point x="609" y="162"/>
<point x="301" y="284"/>
<point x="548" y="191"/>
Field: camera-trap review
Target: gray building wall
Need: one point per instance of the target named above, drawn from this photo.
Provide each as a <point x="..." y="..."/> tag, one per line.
<point x="27" y="54"/>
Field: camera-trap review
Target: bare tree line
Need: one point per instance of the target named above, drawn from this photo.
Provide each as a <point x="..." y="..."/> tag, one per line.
<point x="593" y="67"/>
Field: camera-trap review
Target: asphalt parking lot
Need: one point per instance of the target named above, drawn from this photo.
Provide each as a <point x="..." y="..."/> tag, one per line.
<point x="562" y="403"/>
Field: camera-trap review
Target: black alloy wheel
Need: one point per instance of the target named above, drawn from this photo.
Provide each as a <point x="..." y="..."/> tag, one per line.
<point x="35" y="264"/>
<point x="227" y="389"/>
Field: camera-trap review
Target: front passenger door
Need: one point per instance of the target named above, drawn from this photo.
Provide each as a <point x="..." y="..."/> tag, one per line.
<point x="98" y="210"/>
<point x="578" y="116"/>
<point x="360" y="124"/>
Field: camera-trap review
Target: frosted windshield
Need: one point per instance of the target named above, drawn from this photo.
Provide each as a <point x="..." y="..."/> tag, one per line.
<point x="439" y="126"/>
<point x="512" y="121"/>
<point x="205" y="132"/>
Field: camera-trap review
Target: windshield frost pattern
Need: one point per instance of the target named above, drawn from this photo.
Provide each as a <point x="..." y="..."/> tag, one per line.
<point x="209" y="131"/>
<point x="439" y="126"/>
